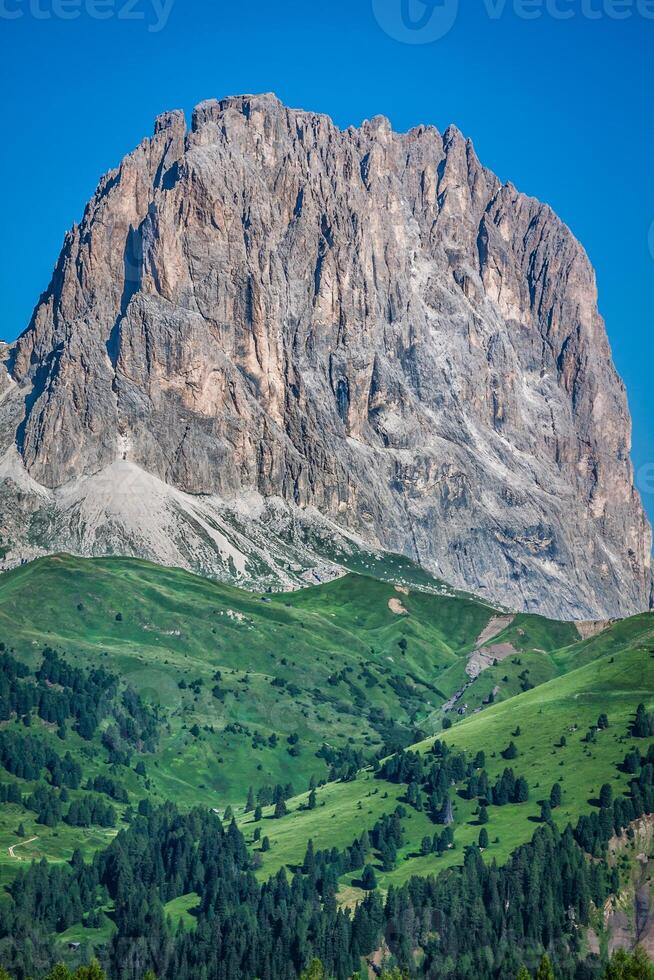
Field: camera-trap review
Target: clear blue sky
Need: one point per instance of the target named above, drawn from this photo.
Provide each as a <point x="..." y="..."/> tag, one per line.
<point x="562" y="107"/>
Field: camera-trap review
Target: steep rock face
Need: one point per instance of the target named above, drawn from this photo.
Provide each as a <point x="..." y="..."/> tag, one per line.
<point x="362" y="322"/>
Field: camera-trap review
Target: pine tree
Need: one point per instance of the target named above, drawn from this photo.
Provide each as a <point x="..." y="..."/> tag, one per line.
<point x="280" y="809"/>
<point x="521" y="790"/>
<point x="309" y="864"/>
<point x="630" y="966"/>
<point x="555" y="795"/>
<point x="315" y="971"/>
<point x="642" y="726"/>
<point x="606" y="796"/>
<point x="483" y="814"/>
<point x="91" y="972"/>
<point x="369" y="878"/>
<point x="483" y="838"/>
<point x="249" y="806"/>
<point x="523" y="974"/>
<point x="545" y="971"/>
<point x="312" y="800"/>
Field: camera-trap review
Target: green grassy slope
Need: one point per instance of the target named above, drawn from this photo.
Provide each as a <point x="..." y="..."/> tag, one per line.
<point x="348" y="669"/>
<point x="336" y="647"/>
<point x="565" y="706"/>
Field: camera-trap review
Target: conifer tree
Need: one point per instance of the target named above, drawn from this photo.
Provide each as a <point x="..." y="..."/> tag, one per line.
<point x="521" y="791"/>
<point x="630" y="966"/>
<point x="315" y="971"/>
<point x="309" y="865"/>
<point x="545" y="971"/>
<point x="369" y="878"/>
<point x="91" y="972"/>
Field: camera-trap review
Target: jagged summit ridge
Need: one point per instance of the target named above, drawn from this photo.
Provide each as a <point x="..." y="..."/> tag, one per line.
<point x="362" y="323"/>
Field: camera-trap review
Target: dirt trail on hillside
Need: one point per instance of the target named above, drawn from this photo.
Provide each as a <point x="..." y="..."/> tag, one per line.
<point x="20" y="843"/>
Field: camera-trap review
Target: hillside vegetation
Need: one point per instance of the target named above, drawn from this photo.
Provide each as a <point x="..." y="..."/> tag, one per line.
<point x="554" y="730"/>
<point x="211" y="696"/>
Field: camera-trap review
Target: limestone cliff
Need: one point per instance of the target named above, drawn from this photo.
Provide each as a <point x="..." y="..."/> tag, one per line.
<point x="360" y="324"/>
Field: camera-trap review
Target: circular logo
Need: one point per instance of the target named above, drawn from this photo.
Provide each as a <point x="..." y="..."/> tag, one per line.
<point x="645" y="477"/>
<point x="416" y="21"/>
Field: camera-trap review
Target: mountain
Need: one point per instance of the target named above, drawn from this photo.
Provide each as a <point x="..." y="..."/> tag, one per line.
<point x="266" y="330"/>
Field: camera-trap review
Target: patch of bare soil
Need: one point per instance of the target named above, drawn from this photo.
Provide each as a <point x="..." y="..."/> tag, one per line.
<point x="493" y="628"/>
<point x="592" y="628"/>
<point x="485" y="657"/>
<point x="396" y="607"/>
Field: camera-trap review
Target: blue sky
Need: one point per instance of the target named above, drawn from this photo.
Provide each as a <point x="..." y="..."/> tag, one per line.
<point x="557" y="96"/>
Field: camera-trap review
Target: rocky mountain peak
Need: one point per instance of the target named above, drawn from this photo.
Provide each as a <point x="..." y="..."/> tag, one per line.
<point x="173" y="120"/>
<point x="359" y="325"/>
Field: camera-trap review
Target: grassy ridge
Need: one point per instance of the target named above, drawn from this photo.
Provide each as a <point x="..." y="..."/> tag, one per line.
<point x="335" y="648"/>
<point x="350" y="660"/>
<point x="565" y="706"/>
